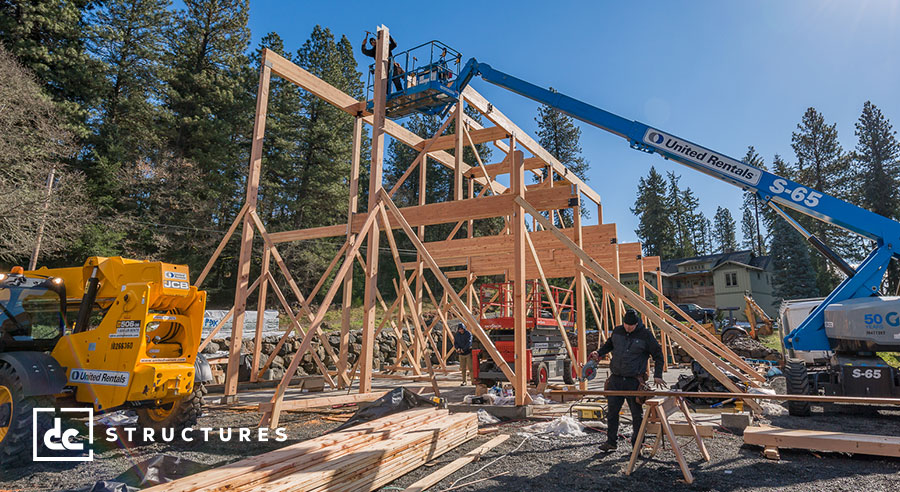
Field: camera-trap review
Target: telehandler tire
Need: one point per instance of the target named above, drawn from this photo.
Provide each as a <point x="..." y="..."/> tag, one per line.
<point x="178" y="415"/>
<point x="797" y="384"/>
<point x="17" y="419"/>
<point x="569" y="376"/>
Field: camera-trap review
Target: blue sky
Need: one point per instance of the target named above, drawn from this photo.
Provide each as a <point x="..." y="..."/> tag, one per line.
<point x="722" y="74"/>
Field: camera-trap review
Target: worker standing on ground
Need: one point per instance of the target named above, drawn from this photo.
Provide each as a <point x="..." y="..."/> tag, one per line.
<point x="631" y="345"/>
<point x="370" y="51"/>
<point x="462" y="342"/>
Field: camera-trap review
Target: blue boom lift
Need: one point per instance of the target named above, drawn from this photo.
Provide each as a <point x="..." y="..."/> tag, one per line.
<point x="833" y="352"/>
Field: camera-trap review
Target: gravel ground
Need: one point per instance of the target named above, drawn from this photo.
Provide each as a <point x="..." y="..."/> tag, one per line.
<point x="543" y="463"/>
<point x="574" y="464"/>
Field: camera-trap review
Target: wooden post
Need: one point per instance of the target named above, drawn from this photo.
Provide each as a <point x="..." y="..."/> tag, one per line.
<point x="457" y="170"/>
<point x="580" y="285"/>
<point x="375" y="184"/>
<point x="347" y="301"/>
<point x="260" y="316"/>
<point x="517" y="184"/>
<point x="664" y="340"/>
<point x="243" y="274"/>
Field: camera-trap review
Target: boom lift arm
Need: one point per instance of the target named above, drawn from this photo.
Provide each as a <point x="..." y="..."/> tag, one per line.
<point x="772" y="189"/>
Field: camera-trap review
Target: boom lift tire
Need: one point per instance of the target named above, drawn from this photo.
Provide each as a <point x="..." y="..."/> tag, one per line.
<point x="541" y="374"/>
<point x="797" y="384"/>
<point x="568" y="375"/>
<point x="16" y="419"/>
<point x="178" y="415"/>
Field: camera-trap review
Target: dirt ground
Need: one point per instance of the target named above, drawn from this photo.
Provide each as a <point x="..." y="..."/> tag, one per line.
<point x="535" y="462"/>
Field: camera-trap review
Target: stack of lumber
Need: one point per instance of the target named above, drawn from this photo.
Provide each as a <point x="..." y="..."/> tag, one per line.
<point x="363" y="457"/>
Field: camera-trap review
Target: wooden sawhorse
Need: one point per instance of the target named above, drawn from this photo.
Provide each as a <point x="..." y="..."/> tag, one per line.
<point x="658" y="411"/>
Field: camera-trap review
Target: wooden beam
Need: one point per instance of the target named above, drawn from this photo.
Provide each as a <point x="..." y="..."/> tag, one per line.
<point x="478" y="136"/>
<point x="464" y="312"/>
<point x="332" y="95"/>
<point x="637" y="302"/>
<point x="517" y="225"/>
<point x="260" y="316"/>
<point x="347" y="293"/>
<point x="244" y="257"/>
<point x="323" y="401"/>
<point x="375" y="185"/>
<point x="494" y="170"/>
<point x="836" y="442"/>
<point x="271" y="418"/>
<point x="493" y="114"/>
<point x="220" y="247"/>
<point x="485" y="207"/>
<point x="445" y="471"/>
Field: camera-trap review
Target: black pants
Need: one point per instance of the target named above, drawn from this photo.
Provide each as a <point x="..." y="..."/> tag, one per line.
<point x="620" y="383"/>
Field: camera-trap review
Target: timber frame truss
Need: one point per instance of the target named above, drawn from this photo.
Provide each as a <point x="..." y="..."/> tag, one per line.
<point x="581" y="253"/>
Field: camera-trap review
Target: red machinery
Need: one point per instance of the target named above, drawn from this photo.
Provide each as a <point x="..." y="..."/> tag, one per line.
<point x="546" y="355"/>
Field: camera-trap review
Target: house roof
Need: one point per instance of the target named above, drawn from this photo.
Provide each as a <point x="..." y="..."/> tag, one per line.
<point x="742" y="258"/>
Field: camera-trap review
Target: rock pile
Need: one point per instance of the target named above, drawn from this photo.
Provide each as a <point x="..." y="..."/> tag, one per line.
<point x="385" y="353"/>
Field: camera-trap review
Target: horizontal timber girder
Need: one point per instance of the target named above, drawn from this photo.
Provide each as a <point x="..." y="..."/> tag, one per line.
<point x="443" y="213"/>
<point x="531" y="164"/>
<point x="478" y="136"/>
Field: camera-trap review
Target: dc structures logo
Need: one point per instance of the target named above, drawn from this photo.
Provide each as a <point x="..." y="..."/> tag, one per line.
<point x="655" y="138"/>
<point x="58" y="443"/>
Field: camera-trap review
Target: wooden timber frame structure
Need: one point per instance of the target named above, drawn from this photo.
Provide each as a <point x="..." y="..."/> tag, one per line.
<point x="581" y="253"/>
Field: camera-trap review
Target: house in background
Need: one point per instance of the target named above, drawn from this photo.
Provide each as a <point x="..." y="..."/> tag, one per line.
<point x="720" y="281"/>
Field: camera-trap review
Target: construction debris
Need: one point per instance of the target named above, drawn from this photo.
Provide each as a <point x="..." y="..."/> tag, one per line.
<point x="363" y="457"/>
<point x="564" y="426"/>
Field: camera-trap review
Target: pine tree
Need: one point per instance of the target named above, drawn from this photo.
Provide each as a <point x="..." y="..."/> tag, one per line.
<point x="822" y="165"/>
<point x="794" y="277"/>
<point x="655" y="224"/>
<point x="877" y="159"/>
<point x="323" y="153"/>
<point x="558" y="134"/>
<point x="48" y="37"/>
<point x="682" y="207"/>
<point x="209" y="117"/>
<point x="751" y="222"/>
<point x="724" y="231"/>
<point x="704" y="237"/>
<point x="127" y="37"/>
<point x="210" y="109"/>
<point x="278" y="181"/>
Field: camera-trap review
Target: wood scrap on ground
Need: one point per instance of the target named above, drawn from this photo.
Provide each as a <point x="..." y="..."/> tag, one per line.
<point x="362" y="457"/>
<point x="773" y="438"/>
<point x="455" y="465"/>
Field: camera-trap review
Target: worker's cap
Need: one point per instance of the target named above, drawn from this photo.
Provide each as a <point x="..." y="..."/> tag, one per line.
<point x="631" y="317"/>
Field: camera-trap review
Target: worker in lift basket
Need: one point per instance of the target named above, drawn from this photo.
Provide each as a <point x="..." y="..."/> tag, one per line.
<point x="631" y="345"/>
<point x="370" y="51"/>
<point x="462" y="342"/>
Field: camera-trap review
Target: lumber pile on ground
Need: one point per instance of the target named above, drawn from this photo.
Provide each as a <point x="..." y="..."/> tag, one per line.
<point x="773" y="438"/>
<point x="363" y="457"/>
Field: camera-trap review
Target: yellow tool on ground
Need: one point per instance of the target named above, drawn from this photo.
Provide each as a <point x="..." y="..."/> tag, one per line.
<point x="594" y="409"/>
<point x="112" y="334"/>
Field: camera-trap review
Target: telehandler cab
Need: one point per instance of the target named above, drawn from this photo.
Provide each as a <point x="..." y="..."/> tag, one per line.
<point x="114" y="334"/>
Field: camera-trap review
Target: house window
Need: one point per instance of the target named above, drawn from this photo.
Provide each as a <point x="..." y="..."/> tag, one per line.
<point x="731" y="279"/>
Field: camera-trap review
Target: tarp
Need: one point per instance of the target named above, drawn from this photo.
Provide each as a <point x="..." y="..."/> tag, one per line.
<point x="394" y="401"/>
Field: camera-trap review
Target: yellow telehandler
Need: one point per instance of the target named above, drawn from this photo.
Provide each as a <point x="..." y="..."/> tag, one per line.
<point x="112" y="334"/>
